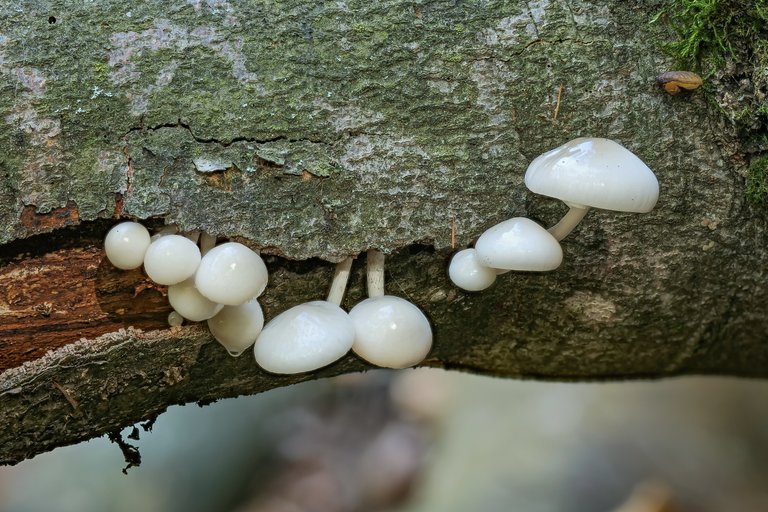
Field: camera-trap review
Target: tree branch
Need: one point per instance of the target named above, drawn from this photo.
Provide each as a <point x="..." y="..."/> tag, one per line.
<point x="335" y="128"/>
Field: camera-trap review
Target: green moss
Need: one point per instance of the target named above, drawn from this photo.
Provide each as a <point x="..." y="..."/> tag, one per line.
<point x="725" y="40"/>
<point x="714" y="31"/>
<point x="757" y="181"/>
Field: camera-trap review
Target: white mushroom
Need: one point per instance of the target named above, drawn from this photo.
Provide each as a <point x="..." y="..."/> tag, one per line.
<point x="231" y="274"/>
<point x="389" y="331"/>
<point x="190" y="303"/>
<point x="519" y="244"/>
<point x="308" y="336"/>
<point x="171" y="259"/>
<point x="304" y="338"/>
<point x="592" y="172"/>
<point x="237" y="327"/>
<point x="126" y="244"/>
<point x="468" y="273"/>
<point x="175" y="319"/>
<point x="170" y="229"/>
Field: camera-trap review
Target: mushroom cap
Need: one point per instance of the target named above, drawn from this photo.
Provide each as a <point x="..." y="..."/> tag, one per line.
<point x="390" y="332"/>
<point x="237" y="327"/>
<point x="126" y="244"/>
<point x="175" y="319"/>
<point x="519" y="244"/>
<point x="190" y="303"/>
<point x="468" y="273"/>
<point x="304" y="338"/>
<point x="596" y="172"/>
<point x="171" y="259"/>
<point x="231" y="274"/>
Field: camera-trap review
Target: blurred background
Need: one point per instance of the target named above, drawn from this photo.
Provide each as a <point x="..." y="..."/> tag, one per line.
<point x="428" y="440"/>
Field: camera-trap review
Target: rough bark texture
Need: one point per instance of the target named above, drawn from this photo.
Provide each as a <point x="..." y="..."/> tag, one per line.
<point x="313" y="130"/>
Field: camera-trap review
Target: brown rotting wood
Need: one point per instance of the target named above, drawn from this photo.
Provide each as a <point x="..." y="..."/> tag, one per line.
<point x="63" y="296"/>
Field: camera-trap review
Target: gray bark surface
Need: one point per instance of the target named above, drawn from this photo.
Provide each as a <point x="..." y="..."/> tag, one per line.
<point x="315" y="130"/>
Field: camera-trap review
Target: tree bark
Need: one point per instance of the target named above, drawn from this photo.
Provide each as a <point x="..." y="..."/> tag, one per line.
<point x="313" y="131"/>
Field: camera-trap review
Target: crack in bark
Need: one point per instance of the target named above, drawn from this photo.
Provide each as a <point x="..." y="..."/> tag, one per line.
<point x="510" y="57"/>
<point x="224" y="143"/>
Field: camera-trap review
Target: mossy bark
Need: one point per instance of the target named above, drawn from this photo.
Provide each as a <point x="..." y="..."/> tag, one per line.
<point x="315" y="130"/>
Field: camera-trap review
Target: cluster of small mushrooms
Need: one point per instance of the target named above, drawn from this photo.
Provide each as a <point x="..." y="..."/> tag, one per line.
<point x="220" y="284"/>
<point x="584" y="173"/>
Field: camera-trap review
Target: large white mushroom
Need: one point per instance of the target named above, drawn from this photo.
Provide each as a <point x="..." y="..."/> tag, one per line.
<point x="308" y="336"/>
<point x="592" y="172"/>
<point x="389" y="331"/>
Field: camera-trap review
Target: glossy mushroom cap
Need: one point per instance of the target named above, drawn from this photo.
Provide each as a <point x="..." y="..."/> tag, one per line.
<point x="126" y="244"/>
<point x="519" y="244"/>
<point x="390" y="332"/>
<point x="595" y="172"/>
<point x="231" y="274"/>
<point x="304" y="338"/>
<point x="468" y="273"/>
<point x="237" y="327"/>
<point x="189" y="303"/>
<point x="171" y="259"/>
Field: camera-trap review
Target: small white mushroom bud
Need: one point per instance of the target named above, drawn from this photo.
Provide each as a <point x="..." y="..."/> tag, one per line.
<point x="237" y="327"/>
<point x="171" y="259"/>
<point x="175" y="319"/>
<point x="468" y="273"/>
<point x="126" y="244"/>
<point x="231" y="274"/>
<point x="189" y="303"/>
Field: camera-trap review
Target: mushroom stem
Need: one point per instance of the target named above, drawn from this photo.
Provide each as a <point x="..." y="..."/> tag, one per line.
<point x="375" y="273"/>
<point x="569" y="221"/>
<point x="194" y="236"/>
<point x="170" y="229"/>
<point x="207" y="242"/>
<point x="339" y="283"/>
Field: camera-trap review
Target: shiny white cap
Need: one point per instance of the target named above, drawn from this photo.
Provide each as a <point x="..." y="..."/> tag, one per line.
<point x="237" y="327"/>
<point x="468" y="273"/>
<point x="390" y="332"/>
<point x="171" y="259"/>
<point x="231" y="274"/>
<point x="304" y="338"/>
<point x="126" y="245"/>
<point x="189" y="303"/>
<point x="519" y="244"/>
<point x="594" y="172"/>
